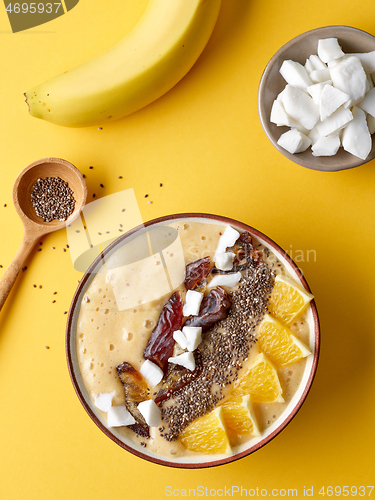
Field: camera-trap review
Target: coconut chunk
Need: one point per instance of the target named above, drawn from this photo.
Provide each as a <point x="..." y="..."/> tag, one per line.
<point x="185" y="359"/>
<point x="316" y="89"/>
<point x="314" y="135"/>
<point x="316" y="62"/>
<point x="320" y="75"/>
<point x="295" y="74"/>
<point x="104" y="400"/>
<point x="371" y="123"/>
<point x="368" y="103"/>
<point x="193" y="303"/>
<point x="180" y="338"/>
<point x="150" y="412"/>
<point x="294" y="141"/>
<point x="367" y="60"/>
<point x="329" y="49"/>
<point x="193" y="336"/>
<point x="338" y="120"/>
<point x="224" y="261"/>
<point x="300" y="107"/>
<point x="225" y="280"/>
<point x="334" y="62"/>
<point x="118" y="416"/>
<point x="369" y="84"/>
<point x="308" y="66"/>
<point x="152" y="372"/>
<point x="326" y="146"/>
<point x="349" y="77"/>
<point x="330" y="99"/>
<point x="227" y="239"/>
<point x="280" y="117"/>
<point x="356" y="138"/>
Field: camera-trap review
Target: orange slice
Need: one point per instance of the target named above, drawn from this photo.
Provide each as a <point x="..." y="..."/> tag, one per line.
<point x="207" y="434"/>
<point x="287" y="300"/>
<point x="261" y="381"/>
<point x="279" y="344"/>
<point x="239" y="416"/>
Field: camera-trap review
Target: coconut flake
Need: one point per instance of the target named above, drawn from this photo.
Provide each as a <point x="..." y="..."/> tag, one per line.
<point x="300" y="107"/>
<point x="320" y="75"/>
<point x="371" y="123"/>
<point x="227" y="239"/>
<point x="294" y="141"/>
<point x="326" y="146"/>
<point x="224" y="261"/>
<point x="338" y="120"/>
<point x="180" y="338"/>
<point x="329" y="49"/>
<point x="356" y="138"/>
<point x="368" y="103"/>
<point x="295" y="74"/>
<point x="193" y="336"/>
<point x="185" y="359"/>
<point x="193" y="303"/>
<point x="151" y="412"/>
<point x="316" y="90"/>
<point x="316" y="62"/>
<point x="367" y="60"/>
<point x="349" y="77"/>
<point x="225" y="280"/>
<point x="152" y="372"/>
<point x="118" y="416"/>
<point x="331" y="99"/>
<point x="104" y="400"/>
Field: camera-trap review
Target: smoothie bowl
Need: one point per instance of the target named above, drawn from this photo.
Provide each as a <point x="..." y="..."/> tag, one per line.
<point x="192" y="340"/>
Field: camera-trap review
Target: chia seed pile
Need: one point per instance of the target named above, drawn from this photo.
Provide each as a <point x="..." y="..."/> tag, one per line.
<point x="52" y="199"/>
<point x="222" y="352"/>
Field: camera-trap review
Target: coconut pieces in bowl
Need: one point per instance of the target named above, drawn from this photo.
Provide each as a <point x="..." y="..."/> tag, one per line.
<point x="328" y="103"/>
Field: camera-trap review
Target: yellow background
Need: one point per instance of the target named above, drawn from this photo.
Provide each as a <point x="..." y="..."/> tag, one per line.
<point x="203" y="141"/>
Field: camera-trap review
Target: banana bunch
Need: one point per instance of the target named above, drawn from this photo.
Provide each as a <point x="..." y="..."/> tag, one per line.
<point x="148" y="62"/>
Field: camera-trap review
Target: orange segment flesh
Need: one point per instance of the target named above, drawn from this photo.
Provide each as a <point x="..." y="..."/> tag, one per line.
<point x="260" y="381"/>
<point x="279" y="344"/>
<point x="287" y="300"/>
<point x="207" y="434"/>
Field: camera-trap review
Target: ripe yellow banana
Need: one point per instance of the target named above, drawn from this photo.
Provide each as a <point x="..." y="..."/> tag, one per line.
<point x="148" y="62"/>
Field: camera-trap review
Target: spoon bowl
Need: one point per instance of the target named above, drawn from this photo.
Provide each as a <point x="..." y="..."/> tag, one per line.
<point x="47" y="167"/>
<point x="35" y="227"/>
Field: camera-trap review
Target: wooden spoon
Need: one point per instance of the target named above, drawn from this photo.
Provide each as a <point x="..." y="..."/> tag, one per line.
<point x="34" y="226"/>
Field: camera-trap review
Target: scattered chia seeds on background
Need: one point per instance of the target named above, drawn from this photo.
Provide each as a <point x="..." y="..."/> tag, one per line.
<point x="52" y="199"/>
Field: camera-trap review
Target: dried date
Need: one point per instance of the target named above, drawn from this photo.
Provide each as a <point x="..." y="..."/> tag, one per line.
<point x="160" y="345"/>
<point x="196" y="271"/>
<point x="178" y="377"/>
<point x="136" y="391"/>
<point x="245" y="255"/>
<point x="213" y="308"/>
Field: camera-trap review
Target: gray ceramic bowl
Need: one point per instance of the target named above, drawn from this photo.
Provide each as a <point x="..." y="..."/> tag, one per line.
<point x="197" y="461"/>
<point x="272" y="83"/>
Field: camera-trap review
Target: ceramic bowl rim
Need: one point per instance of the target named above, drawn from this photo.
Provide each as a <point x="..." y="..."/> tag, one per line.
<point x="70" y="334"/>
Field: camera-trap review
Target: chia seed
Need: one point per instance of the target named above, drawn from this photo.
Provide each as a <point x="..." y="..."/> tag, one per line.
<point x="52" y="199"/>
<point x="224" y="348"/>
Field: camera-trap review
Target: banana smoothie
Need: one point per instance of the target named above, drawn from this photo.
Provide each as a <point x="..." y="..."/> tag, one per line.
<point x="171" y="334"/>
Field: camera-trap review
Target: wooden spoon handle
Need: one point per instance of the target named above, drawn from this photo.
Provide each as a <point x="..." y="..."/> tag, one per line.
<point x="10" y="275"/>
